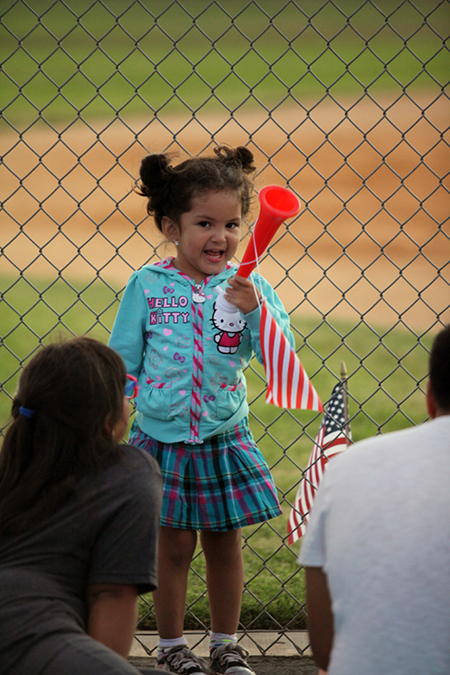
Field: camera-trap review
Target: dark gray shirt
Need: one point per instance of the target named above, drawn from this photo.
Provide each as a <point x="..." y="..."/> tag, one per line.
<point x="105" y="534"/>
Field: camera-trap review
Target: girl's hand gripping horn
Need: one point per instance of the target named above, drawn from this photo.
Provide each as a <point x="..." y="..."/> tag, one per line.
<point x="277" y="204"/>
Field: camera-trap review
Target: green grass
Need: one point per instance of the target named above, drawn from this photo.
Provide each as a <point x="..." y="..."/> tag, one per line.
<point x="35" y="312"/>
<point x="107" y="59"/>
<point x="386" y="370"/>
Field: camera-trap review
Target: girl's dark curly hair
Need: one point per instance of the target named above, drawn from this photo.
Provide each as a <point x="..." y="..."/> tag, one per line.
<point x="170" y="189"/>
<point x="71" y="393"/>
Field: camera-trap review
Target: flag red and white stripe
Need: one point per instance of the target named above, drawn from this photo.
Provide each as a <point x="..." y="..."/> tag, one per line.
<point x="288" y="385"/>
<point x="331" y="440"/>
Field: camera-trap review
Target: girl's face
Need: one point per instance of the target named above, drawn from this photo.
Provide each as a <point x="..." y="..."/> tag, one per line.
<point x="208" y="235"/>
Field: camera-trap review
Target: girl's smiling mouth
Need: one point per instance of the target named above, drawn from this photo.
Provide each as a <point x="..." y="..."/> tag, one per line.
<point x="214" y="254"/>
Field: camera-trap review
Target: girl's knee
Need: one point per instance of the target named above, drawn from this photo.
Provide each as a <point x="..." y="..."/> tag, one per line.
<point x="176" y="547"/>
<point x="223" y="545"/>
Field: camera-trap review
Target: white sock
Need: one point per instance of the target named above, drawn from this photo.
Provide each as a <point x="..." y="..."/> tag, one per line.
<point x="218" y="639"/>
<point x="166" y="644"/>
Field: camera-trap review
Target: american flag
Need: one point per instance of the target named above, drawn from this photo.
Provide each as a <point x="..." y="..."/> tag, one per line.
<point x="288" y="385"/>
<point x="331" y="440"/>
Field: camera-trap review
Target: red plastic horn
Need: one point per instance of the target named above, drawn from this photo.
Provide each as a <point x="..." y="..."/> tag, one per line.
<point x="277" y="204"/>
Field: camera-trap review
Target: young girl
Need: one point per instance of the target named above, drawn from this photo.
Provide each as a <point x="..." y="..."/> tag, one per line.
<point x="79" y="517"/>
<point x="188" y="351"/>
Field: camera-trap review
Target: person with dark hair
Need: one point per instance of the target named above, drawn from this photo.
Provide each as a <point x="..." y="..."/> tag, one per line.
<point x="377" y="547"/>
<point x="79" y="517"/>
<point x="188" y="350"/>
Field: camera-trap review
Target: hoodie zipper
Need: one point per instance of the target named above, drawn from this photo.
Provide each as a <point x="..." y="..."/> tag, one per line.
<point x="197" y="293"/>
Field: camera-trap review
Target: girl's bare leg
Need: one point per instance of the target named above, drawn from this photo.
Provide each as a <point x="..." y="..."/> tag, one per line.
<point x="224" y="578"/>
<point x="175" y="550"/>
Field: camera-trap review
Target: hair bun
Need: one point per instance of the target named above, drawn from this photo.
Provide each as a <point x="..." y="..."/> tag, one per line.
<point x="246" y="159"/>
<point x="155" y="172"/>
<point x="240" y="157"/>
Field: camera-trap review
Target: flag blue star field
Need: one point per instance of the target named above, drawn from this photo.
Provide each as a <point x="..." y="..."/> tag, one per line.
<point x="331" y="440"/>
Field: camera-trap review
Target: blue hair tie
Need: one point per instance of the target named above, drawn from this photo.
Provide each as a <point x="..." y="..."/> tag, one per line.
<point x="26" y="412"/>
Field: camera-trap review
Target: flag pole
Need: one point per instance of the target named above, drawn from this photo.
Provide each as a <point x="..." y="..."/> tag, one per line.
<point x="345" y="398"/>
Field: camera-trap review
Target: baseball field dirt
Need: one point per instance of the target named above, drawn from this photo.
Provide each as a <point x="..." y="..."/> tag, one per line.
<point x="370" y="241"/>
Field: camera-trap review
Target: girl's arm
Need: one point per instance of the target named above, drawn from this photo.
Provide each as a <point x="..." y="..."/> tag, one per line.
<point x="127" y="337"/>
<point x="112" y="615"/>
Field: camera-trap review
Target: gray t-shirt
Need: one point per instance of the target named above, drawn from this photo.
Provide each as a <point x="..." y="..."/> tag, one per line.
<point x="105" y="534"/>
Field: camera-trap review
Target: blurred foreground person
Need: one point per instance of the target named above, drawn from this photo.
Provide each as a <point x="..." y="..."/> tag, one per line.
<point x="377" y="548"/>
<point x="79" y="517"/>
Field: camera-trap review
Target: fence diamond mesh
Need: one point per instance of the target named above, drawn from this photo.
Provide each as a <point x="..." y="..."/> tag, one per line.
<point x="344" y="101"/>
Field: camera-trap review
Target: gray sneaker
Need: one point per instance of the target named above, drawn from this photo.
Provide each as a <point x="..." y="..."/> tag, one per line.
<point x="230" y="659"/>
<point x="181" y="660"/>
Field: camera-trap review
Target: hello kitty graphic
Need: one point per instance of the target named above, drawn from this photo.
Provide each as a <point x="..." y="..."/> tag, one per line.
<point x="230" y="324"/>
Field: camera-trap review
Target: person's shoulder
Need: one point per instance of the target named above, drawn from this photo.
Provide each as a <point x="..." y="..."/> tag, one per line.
<point x="137" y="459"/>
<point x="148" y="276"/>
<point x="398" y="437"/>
<point x="135" y="468"/>
<point x="151" y="269"/>
<point x="374" y="444"/>
<point x="379" y="449"/>
<point x="442" y="420"/>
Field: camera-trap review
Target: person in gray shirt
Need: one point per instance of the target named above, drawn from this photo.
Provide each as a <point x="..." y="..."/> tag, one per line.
<point x="79" y="517"/>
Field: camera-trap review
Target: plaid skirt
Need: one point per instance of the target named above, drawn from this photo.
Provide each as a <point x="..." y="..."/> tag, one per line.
<point x="221" y="484"/>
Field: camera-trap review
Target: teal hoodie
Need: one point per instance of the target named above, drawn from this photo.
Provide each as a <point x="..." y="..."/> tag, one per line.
<point x="187" y="353"/>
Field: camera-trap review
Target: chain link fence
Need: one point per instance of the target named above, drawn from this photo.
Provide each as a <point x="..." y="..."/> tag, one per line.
<point x="344" y="101"/>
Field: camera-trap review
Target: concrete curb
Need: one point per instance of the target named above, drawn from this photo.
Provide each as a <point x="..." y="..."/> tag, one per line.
<point x="262" y="665"/>
<point x="258" y="643"/>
